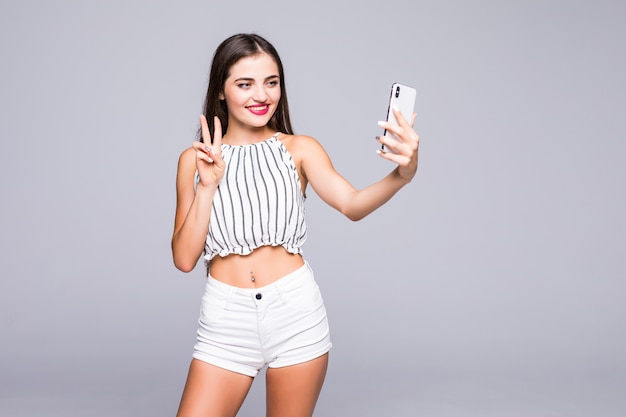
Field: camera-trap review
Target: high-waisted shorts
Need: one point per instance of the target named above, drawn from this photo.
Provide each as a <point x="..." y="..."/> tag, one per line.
<point x="281" y="324"/>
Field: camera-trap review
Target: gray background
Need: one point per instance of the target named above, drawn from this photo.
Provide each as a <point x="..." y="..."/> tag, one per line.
<point x="493" y="285"/>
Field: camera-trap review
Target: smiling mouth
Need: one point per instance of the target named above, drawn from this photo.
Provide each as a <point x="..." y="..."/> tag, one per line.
<point x="259" y="110"/>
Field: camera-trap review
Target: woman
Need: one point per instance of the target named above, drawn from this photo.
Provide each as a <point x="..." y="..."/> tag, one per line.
<point x="240" y="202"/>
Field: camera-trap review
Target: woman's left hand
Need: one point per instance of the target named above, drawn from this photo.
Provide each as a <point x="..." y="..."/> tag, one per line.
<point x="404" y="150"/>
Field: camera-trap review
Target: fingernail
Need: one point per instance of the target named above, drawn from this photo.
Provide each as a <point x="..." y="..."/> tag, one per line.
<point x="377" y="137"/>
<point x="381" y="123"/>
<point x="206" y="148"/>
<point x="395" y="107"/>
<point x="379" y="152"/>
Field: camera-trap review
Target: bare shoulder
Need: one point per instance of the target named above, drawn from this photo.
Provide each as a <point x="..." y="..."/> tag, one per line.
<point x="187" y="155"/>
<point x="301" y="146"/>
<point x="308" y="155"/>
<point x="187" y="160"/>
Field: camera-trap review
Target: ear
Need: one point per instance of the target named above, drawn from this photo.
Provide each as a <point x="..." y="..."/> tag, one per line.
<point x="221" y="96"/>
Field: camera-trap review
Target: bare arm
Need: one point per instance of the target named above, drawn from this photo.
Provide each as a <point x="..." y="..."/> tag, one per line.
<point x="340" y="194"/>
<point x="193" y="207"/>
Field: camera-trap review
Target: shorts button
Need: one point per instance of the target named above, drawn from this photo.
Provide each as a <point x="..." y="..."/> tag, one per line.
<point x="259" y="296"/>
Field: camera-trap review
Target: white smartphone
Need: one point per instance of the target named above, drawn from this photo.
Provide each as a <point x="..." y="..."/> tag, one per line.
<point x="403" y="97"/>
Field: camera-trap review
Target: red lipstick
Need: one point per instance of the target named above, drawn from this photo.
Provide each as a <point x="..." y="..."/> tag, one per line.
<point x="259" y="110"/>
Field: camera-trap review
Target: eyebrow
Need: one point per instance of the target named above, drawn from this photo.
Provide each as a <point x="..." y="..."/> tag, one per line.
<point x="252" y="79"/>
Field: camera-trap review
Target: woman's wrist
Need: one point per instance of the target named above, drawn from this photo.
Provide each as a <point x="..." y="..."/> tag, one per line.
<point x="206" y="189"/>
<point x="404" y="179"/>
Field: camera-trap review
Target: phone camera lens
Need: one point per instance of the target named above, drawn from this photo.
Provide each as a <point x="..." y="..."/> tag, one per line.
<point x="397" y="92"/>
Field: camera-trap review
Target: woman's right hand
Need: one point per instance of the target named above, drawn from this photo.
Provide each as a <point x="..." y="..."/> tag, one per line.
<point x="209" y="162"/>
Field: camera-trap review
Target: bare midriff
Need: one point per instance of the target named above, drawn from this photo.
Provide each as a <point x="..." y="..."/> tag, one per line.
<point x="262" y="267"/>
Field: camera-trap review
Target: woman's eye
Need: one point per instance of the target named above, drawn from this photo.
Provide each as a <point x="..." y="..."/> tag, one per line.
<point x="272" y="83"/>
<point x="243" y="85"/>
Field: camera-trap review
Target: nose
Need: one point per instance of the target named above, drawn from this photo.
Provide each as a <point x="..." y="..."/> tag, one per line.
<point x="259" y="94"/>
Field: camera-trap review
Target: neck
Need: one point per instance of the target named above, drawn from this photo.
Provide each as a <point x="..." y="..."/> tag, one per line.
<point x="245" y="135"/>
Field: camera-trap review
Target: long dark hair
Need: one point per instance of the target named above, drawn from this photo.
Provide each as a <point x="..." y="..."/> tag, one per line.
<point x="226" y="55"/>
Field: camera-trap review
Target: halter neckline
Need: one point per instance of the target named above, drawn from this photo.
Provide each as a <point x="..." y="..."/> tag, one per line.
<point x="273" y="137"/>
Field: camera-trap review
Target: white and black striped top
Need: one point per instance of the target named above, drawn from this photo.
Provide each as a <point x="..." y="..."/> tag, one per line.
<point x="259" y="201"/>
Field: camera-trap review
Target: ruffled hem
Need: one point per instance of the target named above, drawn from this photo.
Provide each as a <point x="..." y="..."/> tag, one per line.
<point x="248" y="250"/>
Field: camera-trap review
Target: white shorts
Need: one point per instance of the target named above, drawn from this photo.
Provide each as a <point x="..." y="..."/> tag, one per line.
<point x="281" y="324"/>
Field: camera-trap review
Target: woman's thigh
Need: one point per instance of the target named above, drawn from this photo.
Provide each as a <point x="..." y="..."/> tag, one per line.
<point x="212" y="391"/>
<point x="293" y="390"/>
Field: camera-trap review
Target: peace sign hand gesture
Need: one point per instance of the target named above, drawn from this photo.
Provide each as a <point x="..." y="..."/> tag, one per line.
<point x="209" y="162"/>
<point x="404" y="150"/>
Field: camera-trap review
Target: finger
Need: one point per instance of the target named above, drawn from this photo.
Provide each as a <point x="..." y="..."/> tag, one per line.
<point x="201" y="147"/>
<point x="402" y="122"/>
<point x="217" y="134"/>
<point x="206" y="135"/>
<point x="391" y="127"/>
<point x="203" y="152"/>
<point x="398" y="159"/>
<point x="403" y="130"/>
<point x="391" y="145"/>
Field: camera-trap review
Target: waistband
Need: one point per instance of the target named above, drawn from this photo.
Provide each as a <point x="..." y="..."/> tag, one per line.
<point x="291" y="280"/>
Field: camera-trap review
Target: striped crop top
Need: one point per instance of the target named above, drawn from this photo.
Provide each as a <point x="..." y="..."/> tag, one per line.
<point x="258" y="202"/>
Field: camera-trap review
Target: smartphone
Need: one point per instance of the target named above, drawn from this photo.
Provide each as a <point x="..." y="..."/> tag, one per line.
<point x="403" y="97"/>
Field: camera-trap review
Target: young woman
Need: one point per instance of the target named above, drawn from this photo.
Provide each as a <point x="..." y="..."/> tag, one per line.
<point x="240" y="203"/>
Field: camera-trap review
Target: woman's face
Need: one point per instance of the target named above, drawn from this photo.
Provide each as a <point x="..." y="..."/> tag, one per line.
<point x="252" y="91"/>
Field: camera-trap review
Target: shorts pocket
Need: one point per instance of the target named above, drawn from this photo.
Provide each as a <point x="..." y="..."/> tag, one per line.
<point x="213" y="307"/>
<point x="305" y="297"/>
